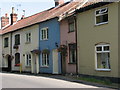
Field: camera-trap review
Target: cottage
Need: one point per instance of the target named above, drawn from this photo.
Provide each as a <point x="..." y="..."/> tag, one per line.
<point x="98" y="40"/>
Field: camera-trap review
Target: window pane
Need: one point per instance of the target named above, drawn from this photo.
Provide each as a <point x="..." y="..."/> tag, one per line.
<point x="71" y="27"/>
<point x="106" y="48"/>
<point x="103" y="61"/>
<point x="98" y="19"/>
<point x="6" y="42"/>
<point x="105" y="18"/>
<point x="99" y="48"/>
<point x="17" y="58"/>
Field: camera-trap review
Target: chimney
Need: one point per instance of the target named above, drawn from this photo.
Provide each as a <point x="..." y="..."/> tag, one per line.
<point x="22" y="17"/>
<point x="58" y="2"/>
<point x="13" y="16"/>
<point x="4" y="20"/>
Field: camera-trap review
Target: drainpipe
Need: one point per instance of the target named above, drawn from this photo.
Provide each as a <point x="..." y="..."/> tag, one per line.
<point x="76" y="43"/>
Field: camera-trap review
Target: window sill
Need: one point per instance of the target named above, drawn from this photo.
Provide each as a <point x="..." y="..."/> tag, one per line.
<point x="71" y="63"/>
<point x="44" y="39"/>
<point x="6" y="47"/>
<point x="71" y="31"/>
<point x="103" y="69"/>
<point x="28" y="66"/>
<point x="44" y="66"/>
<point x="101" y="23"/>
<point x="27" y="42"/>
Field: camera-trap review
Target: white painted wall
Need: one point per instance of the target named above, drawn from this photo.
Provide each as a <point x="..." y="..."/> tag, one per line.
<point x="0" y="51"/>
<point x="23" y="47"/>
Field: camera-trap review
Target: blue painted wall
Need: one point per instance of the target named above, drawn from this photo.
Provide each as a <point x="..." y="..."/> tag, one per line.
<point x="54" y="37"/>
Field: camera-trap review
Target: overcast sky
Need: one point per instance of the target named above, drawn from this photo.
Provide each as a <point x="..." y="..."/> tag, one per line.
<point x="30" y="6"/>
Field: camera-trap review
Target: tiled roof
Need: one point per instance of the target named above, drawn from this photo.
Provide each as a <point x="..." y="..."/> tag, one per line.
<point x="47" y="14"/>
<point x="40" y="17"/>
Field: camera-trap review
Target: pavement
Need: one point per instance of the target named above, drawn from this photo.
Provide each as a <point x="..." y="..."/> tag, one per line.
<point x="67" y="78"/>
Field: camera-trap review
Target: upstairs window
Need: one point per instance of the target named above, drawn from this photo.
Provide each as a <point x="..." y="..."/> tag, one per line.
<point x="17" y="39"/>
<point x="101" y="16"/>
<point x="28" y="37"/>
<point x="103" y="57"/>
<point x="44" y="34"/>
<point x="71" y="26"/>
<point x="28" y="60"/>
<point x="6" y="42"/>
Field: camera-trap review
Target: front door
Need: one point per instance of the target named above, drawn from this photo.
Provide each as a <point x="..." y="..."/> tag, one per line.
<point x="9" y="63"/>
<point x="55" y="61"/>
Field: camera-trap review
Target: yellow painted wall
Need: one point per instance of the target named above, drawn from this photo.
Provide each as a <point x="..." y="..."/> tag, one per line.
<point x="89" y="34"/>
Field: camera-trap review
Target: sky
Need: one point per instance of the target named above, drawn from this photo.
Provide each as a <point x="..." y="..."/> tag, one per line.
<point x="30" y="6"/>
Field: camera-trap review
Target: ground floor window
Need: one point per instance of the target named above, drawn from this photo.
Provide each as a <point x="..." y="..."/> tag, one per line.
<point x="45" y="59"/>
<point x="103" y="56"/>
<point x="28" y="60"/>
<point x="72" y="53"/>
<point x="17" y="59"/>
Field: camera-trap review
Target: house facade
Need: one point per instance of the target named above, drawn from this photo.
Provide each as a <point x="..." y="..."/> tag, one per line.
<point x="23" y="49"/>
<point x="98" y="40"/>
<point x="0" y="49"/>
<point x="49" y="40"/>
<point x="68" y="39"/>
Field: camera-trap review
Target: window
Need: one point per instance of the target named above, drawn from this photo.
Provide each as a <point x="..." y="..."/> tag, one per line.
<point x="71" y="26"/>
<point x="102" y="57"/>
<point x="72" y="53"/>
<point x="44" y="34"/>
<point x="17" y="39"/>
<point x="6" y="42"/>
<point x="28" y="37"/>
<point x="28" y="60"/>
<point x="45" y="59"/>
<point x="101" y="16"/>
<point x="17" y="58"/>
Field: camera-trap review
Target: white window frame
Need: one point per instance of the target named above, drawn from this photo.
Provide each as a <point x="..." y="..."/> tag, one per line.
<point x="29" y="60"/>
<point x="27" y="36"/>
<point x="45" y="35"/>
<point x="101" y="69"/>
<point x="46" y="65"/>
<point x="99" y="15"/>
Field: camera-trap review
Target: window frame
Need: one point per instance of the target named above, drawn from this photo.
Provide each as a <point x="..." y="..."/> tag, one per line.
<point x="70" y="53"/>
<point x="18" y="57"/>
<point x="44" y="36"/>
<point x="5" y="46"/>
<point x="16" y="41"/>
<point x="27" y="37"/>
<point x="97" y="24"/>
<point x="47" y="60"/>
<point x="29" y="60"/>
<point x="96" y="52"/>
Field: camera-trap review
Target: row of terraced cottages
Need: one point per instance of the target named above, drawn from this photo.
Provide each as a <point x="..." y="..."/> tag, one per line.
<point x="73" y="37"/>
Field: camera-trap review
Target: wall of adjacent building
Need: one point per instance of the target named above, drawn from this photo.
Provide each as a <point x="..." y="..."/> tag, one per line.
<point x="0" y="51"/>
<point x="53" y="37"/>
<point x="65" y="39"/>
<point x="24" y="47"/>
<point x="6" y="50"/>
<point x="119" y="39"/>
<point x="89" y="34"/>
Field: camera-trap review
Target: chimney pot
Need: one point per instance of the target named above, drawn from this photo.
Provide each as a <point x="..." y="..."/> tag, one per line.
<point x="58" y="2"/>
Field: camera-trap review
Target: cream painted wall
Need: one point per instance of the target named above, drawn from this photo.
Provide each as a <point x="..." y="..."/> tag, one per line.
<point x="23" y="47"/>
<point x="89" y="35"/>
<point x="0" y="51"/>
<point x="6" y="50"/>
<point x="119" y="39"/>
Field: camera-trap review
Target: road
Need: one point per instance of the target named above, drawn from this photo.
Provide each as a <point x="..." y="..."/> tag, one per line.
<point x="27" y="81"/>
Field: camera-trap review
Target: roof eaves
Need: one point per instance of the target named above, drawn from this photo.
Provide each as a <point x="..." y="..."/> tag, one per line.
<point x="92" y="6"/>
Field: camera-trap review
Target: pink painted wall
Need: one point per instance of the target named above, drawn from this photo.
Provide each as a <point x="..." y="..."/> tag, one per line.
<point x="67" y="38"/>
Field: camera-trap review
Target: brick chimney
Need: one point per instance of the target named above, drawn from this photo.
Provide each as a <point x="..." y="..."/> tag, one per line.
<point x="58" y="2"/>
<point x="4" y="20"/>
<point x="13" y="16"/>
